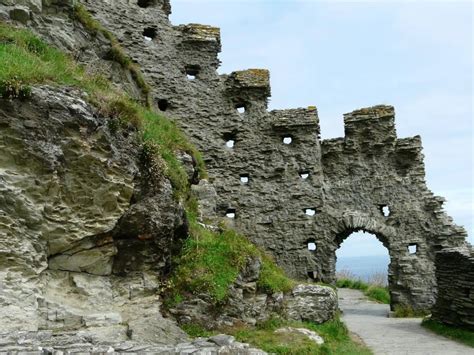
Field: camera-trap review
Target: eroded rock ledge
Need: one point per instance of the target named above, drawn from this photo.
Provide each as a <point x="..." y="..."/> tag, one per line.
<point x="73" y="254"/>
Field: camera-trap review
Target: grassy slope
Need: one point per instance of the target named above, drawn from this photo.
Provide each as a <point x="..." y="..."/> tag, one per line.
<point x="461" y="335"/>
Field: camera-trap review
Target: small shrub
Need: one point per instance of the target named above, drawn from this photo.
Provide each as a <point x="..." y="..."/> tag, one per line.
<point x="14" y="89"/>
<point x="272" y="323"/>
<point x="211" y="261"/>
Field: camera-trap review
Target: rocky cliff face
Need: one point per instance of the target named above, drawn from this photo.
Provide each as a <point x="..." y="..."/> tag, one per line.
<point x="84" y="239"/>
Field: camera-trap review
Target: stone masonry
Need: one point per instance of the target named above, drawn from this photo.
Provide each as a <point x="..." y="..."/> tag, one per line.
<point x="455" y="277"/>
<point x="279" y="182"/>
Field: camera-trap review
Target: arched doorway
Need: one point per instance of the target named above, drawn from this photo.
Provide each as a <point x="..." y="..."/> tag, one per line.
<point x="361" y="256"/>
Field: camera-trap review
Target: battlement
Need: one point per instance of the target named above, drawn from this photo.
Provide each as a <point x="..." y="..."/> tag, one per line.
<point x="370" y="126"/>
<point x="296" y="118"/>
<point x="250" y="78"/>
<point x="244" y="86"/>
<point x="194" y="32"/>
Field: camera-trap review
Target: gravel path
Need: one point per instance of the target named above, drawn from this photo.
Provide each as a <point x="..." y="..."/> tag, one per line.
<point x="397" y="336"/>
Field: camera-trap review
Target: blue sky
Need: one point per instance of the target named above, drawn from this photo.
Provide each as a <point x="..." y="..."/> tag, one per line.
<point x="340" y="56"/>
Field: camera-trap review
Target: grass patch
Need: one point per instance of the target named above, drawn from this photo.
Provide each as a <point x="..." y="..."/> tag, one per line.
<point x="375" y="292"/>
<point x="458" y="334"/>
<point x="211" y="261"/>
<point x="195" y="331"/>
<point x="406" y="311"/>
<point x="27" y="60"/>
<point x="378" y="293"/>
<point x="335" y="334"/>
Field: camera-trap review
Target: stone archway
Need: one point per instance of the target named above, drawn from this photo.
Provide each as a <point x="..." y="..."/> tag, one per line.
<point x="406" y="286"/>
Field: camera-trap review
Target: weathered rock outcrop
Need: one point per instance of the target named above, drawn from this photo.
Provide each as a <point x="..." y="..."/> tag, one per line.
<point x="74" y="256"/>
<point x="247" y="304"/>
<point x="455" y="277"/>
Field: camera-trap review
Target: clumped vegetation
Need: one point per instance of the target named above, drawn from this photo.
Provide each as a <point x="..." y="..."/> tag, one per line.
<point x="458" y="334"/>
<point x="212" y="259"/>
<point x="374" y="290"/>
<point x="336" y="337"/>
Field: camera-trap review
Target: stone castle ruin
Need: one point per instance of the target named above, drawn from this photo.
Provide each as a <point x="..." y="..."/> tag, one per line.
<point x="270" y="174"/>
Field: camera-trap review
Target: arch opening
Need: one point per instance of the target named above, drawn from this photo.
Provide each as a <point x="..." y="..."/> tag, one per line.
<point x="363" y="256"/>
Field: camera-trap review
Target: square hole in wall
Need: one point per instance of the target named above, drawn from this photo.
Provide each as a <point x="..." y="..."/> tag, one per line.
<point x="244" y="178"/>
<point x="310" y="211"/>
<point x="385" y="210"/>
<point x="287" y="139"/>
<point x="163" y="104"/>
<point x="312" y="275"/>
<point x="145" y="3"/>
<point x="230" y="213"/>
<point x="149" y="33"/>
<point x="311" y="244"/>
<point x="192" y="71"/>
<point x="241" y="107"/>
<point x="412" y="248"/>
<point x="230" y="139"/>
<point x="304" y="174"/>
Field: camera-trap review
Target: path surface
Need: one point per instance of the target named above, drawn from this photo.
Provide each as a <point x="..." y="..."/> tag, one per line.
<point x="394" y="336"/>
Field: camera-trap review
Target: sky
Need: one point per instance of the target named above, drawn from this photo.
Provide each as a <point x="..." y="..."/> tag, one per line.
<point x="340" y="56"/>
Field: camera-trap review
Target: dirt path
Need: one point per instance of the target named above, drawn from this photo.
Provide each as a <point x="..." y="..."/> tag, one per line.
<point x="394" y="336"/>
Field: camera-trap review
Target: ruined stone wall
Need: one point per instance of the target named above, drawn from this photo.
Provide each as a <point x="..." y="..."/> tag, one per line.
<point x="370" y="170"/>
<point x="280" y="195"/>
<point x="455" y="277"/>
